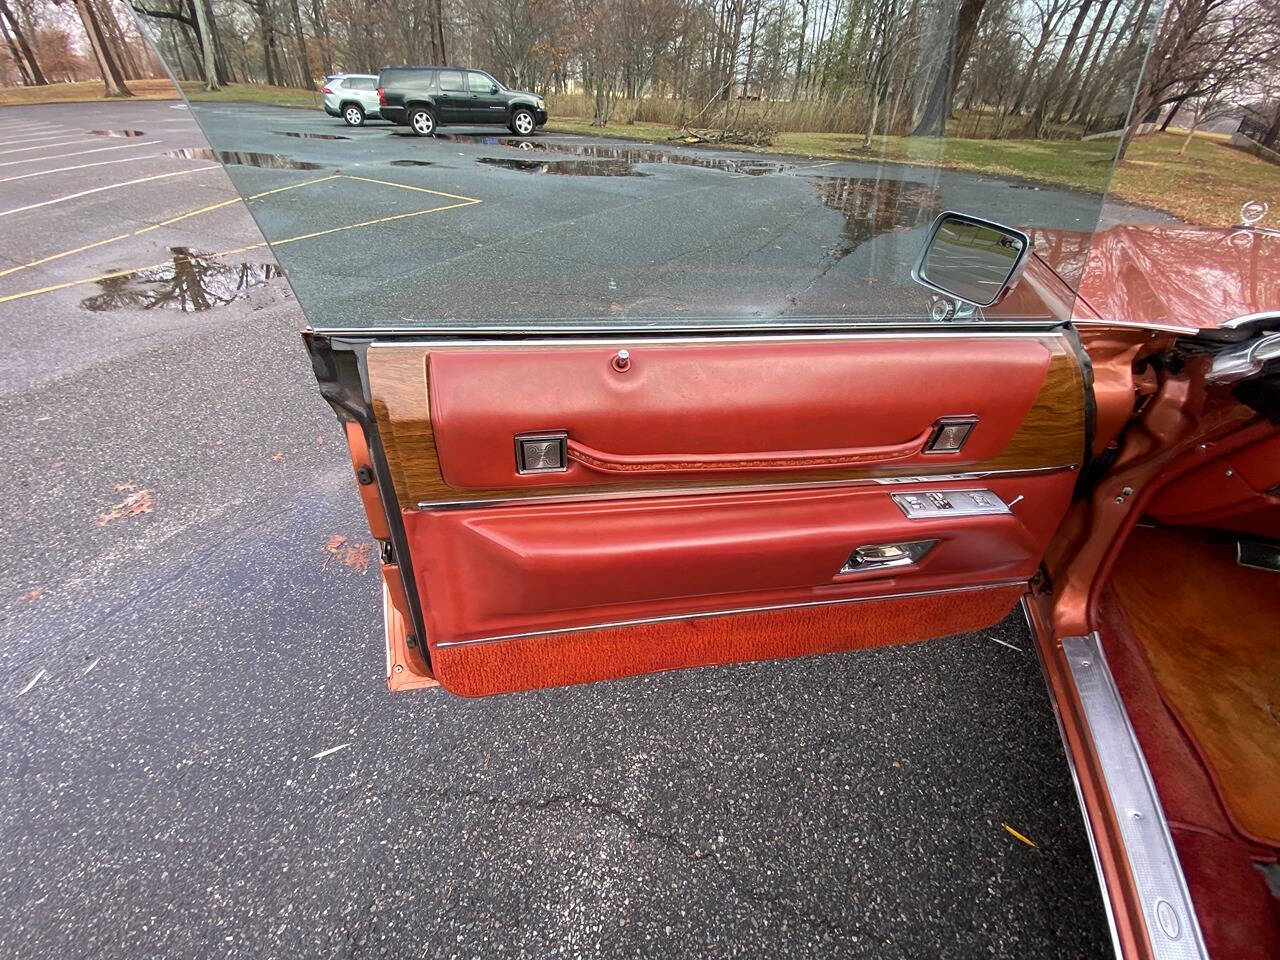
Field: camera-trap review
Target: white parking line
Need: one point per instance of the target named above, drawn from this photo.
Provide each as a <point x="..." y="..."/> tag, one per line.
<point x="46" y="136"/>
<point x="80" y="166"/>
<point x="47" y="146"/>
<point x="109" y="186"/>
<point x="80" y="153"/>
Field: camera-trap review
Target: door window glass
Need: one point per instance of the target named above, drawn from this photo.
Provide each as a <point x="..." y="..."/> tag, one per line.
<point x="794" y="155"/>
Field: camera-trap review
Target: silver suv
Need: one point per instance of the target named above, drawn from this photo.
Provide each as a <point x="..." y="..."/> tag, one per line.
<point x="353" y="97"/>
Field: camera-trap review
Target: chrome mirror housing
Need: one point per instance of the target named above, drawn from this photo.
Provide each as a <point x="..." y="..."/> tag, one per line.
<point x="971" y="260"/>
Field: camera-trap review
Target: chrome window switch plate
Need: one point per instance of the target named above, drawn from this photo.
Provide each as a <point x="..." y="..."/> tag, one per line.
<point x="949" y="503"/>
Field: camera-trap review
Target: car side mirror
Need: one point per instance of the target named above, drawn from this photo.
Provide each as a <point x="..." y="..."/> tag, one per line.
<point x="494" y="88"/>
<point x="975" y="261"/>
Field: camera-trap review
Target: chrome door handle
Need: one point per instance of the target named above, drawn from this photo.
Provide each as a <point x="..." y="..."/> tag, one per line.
<point x="881" y="556"/>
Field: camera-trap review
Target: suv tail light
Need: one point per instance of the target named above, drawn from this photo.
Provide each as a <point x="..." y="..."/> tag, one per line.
<point x="325" y="90"/>
<point x="382" y="97"/>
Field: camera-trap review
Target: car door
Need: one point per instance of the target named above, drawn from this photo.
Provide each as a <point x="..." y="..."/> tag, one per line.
<point x="453" y="100"/>
<point x="573" y="505"/>
<point x="366" y="89"/>
<point x="486" y="102"/>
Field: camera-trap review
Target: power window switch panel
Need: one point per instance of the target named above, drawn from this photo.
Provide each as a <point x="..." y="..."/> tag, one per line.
<point x="949" y="503"/>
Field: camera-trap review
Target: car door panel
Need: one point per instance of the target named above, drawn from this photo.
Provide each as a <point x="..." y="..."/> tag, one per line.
<point x="623" y="650"/>
<point x="796" y="407"/>
<point x="776" y="459"/>
<point x="493" y="571"/>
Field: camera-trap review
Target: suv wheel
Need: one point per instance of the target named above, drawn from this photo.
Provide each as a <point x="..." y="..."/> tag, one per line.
<point x="523" y="121"/>
<point x="353" y="114"/>
<point x="422" y="121"/>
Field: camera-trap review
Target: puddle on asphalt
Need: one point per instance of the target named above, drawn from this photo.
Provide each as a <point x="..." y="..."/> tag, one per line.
<point x="117" y="133"/>
<point x="566" y="168"/>
<point x="192" y="283"/>
<point x="616" y="153"/>
<point x="412" y="163"/>
<point x="309" y="136"/>
<point x="750" y="166"/>
<point x="874" y="206"/>
<point x="272" y="161"/>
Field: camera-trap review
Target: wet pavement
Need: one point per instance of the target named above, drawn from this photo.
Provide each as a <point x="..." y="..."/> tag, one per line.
<point x="200" y="754"/>
<point x="567" y="227"/>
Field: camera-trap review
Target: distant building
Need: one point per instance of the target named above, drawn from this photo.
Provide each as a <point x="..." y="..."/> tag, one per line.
<point x="1259" y="131"/>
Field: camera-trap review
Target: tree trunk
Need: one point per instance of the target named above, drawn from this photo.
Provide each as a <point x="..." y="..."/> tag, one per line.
<point x="942" y="91"/>
<point x="804" y="29"/>
<point x="322" y="34"/>
<point x="33" y="66"/>
<point x="304" y="63"/>
<point x="1173" y="112"/>
<point x="24" y="72"/>
<point x="1040" y="116"/>
<point x="437" y="33"/>
<point x="115" y="37"/>
<point x="1090" y="75"/>
<point x="208" y="56"/>
<point x="112" y="78"/>
<point x="1195" y="122"/>
<point x="1113" y="84"/>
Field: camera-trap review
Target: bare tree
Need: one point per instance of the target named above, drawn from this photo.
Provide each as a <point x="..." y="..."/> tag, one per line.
<point x="21" y="49"/>
<point x="104" y="52"/>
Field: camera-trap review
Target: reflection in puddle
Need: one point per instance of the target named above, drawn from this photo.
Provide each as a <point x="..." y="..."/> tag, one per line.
<point x="117" y="133"/>
<point x="750" y="166"/>
<point x="309" y="136"/>
<point x="273" y="161"/>
<point x="567" y="168"/>
<point x="872" y="206"/>
<point x="193" y="283"/>
<point x="412" y="163"/>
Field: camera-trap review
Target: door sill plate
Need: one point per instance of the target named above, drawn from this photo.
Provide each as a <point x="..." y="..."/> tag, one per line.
<point x="1167" y="910"/>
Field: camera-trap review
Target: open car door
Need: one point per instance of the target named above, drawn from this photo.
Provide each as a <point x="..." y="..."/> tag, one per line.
<point x="562" y="505"/>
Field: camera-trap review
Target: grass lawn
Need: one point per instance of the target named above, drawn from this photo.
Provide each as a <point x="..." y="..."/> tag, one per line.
<point x="162" y="89"/>
<point x="1207" y="185"/>
<point x="256" y="93"/>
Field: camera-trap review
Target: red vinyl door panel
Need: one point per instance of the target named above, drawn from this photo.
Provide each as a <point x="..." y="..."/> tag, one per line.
<point x="756" y="407"/>
<point x="713" y="497"/>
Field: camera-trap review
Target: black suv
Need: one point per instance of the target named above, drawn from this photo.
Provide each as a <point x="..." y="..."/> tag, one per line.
<point x="430" y="97"/>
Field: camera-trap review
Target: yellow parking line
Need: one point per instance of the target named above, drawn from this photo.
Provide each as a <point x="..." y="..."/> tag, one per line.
<point x="369" y="223"/>
<point x="464" y="202"/>
<point x="405" y="186"/>
<point x="156" y="226"/>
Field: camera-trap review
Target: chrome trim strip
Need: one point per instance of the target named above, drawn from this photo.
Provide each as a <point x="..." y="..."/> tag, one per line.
<point x="629" y="339"/>
<point x="743" y="488"/>
<point x="1248" y="318"/>
<point x="1167" y="909"/>
<point x="661" y="325"/>
<point x="1075" y="782"/>
<point x="733" y="611"/>
<point x="1244" y="359"/>
<point x="1185" y="329"/>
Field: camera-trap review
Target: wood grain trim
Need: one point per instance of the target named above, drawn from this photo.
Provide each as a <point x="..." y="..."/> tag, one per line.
<point x="1052" y="435"/>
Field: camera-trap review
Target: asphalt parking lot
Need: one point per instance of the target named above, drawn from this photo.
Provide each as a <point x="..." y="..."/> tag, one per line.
<point x="382" y="227"/>
<point x="182" y="639"/>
